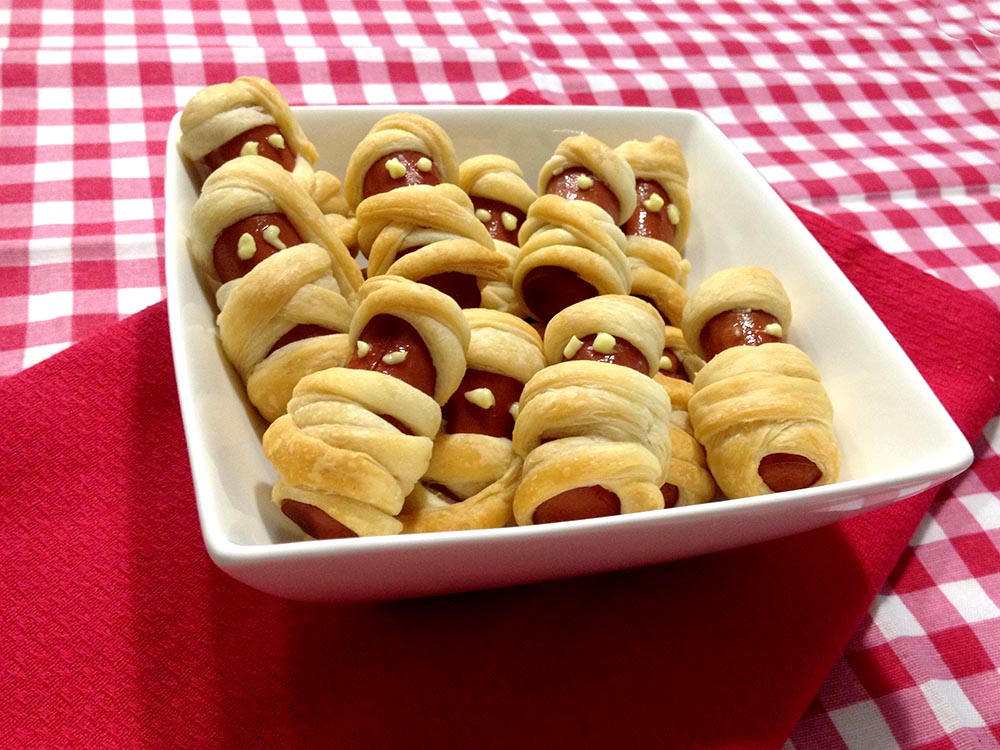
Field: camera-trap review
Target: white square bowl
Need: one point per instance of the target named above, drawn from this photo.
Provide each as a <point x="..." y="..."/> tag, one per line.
<point x="895" y="436"/>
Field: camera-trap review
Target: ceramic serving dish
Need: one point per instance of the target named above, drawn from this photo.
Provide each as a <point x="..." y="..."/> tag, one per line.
<point x="895" y="436"/>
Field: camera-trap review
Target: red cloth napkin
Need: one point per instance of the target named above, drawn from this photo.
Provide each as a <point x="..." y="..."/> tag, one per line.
<point x="118" y="631"/>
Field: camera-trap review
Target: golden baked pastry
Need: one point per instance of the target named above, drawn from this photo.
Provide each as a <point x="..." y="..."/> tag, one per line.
<point x="501" y="198"/>
<point x="250" y="116"/>
<point x="619" y="319"/>
<point x="754" y="405"/>
<point x="474" y="471"/>
<point x="426" y="510"/>
<point x="500" y="195"/>
<point x="258" y="192"/>
<point x="663" y="207"/>
<point x="388" y="148"/>
<point x="688" y="480"/>
<point x="585" y="424"/>
<point x="748" y="288"/>
<point x="284" y="319"/>
<point x="585" y="168"/>
<point x="677" y="369"/>
<point x="659" y="276"/>
<point x="429" y="234"/>
<point x="570" y="250"/>
<point x="432" y="315"/>
<point x="356" y="439"/>
<point x="344" y="464"/>
<point x="625" y="470"/>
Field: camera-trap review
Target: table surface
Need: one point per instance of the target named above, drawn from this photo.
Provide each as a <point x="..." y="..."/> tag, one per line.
<point x="881" y="116"/>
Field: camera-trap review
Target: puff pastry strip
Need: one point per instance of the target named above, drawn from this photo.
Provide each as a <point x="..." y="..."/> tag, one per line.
<point x="659" y="276"/>
<point x="600" y="160"/>
<point x="338" y="450"/>
<point x="576" y="236"/>
<point x="386" y="220"/>
<point x="622" y="316"/>
<point x="490" y="508"/>
<point x="676" y="374"/>
<point x="251" y="186"/>
<point x="465" y="463"/>
<point x="739" y="287"/>
<point x="480" y="468"/>
<point x="687" y="475"/>
<point x="754" y="401"/>
<point x="395" y="133"/>
<point x="627" y="470"/>
<point x="424" y="231"/>
<point x="660" y="160"/>
<point x="498" y="178"/>
<point x="294" y="287"/>
<point x="216" y="114"/>
<point x="595" y="400"/>
<point x="494" y="182"/>
<point x="435" y="316"/>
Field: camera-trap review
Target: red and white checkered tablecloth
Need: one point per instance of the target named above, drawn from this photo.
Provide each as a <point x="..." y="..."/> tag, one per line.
<point x="882" y="116"/>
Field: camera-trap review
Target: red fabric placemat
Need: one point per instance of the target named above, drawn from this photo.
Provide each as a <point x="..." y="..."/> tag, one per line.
<point x="118" y="631"/>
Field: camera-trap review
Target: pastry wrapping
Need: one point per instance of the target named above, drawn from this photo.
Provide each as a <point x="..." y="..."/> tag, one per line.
<point x="688" y="475"/>
<point x="292" y="288"/>
<point x="501" y="198"/>
<point x="659" y="276"/>
<point x="339" y="447"/>
<point x="601" y="161"/>
<point x="739" y="287"/>
<point x="660" y="160"/>
<point x="619" y="315"/>
<point x="252" y="186"/>
<point x="627" y="470"/>
<point x="216" y="114"/>
<point x="423" y="231"/>
<point x="496" y="178"/>
<point x="750" y="402"/>
<point x="576" y="236"/>
<point x="465" y="462"/>
<point x="472" y="476"/>
<point x="435" y="316"/>
<point x="396" y="133"/>
<point x="426" y="510"/>
<point x="356" y="439"/>
<point x="676" y="374"/>
<point x="583" y="424"/>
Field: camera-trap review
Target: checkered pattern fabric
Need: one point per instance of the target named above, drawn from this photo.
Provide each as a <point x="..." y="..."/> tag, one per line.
<point x="882" y="116"/>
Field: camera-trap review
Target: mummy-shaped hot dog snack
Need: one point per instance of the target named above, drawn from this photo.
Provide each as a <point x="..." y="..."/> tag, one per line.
<point x="643" y="347"/>
<point x="583" y="168"/>
<point x="356" y="440"/>
<point x="285" y="319"/>
<point x="501" y="198"/>
<point x="250" y="116"/>
<point x="659" y="272"/>
<point x="758" y="407"/>
<point x="594" y="427"/>
<point x="663" y="205"/>
<point x="248" y="210"/>
<point x="570" y="251"/>
<point x="474" y="471"/>
<point x="736" y="306"/>
<point x="400" y="149"/>
<point x="430" y="234"/>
